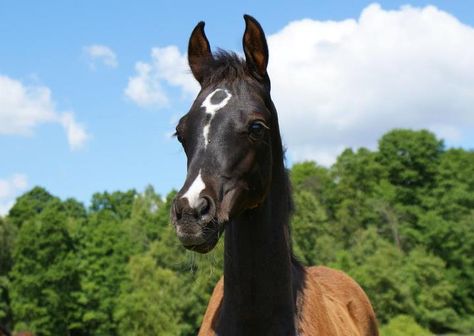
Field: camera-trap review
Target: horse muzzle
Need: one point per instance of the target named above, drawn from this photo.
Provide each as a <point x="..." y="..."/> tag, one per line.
<point x="196" y="226"/>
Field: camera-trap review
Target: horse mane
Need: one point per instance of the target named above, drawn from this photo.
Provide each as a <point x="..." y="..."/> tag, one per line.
<point x="291" y="208"/>
<point x="224" y="65"/>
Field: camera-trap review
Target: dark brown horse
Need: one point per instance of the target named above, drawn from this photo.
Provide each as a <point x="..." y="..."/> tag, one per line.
<point x="237" y="181"/>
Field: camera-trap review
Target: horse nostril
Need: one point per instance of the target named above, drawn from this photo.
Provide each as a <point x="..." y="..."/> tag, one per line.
<point x="204" y="206"/>
<point x="182" y="210"/>
<point x="178" y="209"/>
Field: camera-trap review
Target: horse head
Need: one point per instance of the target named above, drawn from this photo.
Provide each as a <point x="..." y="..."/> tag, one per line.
<point x="227" y="136"/>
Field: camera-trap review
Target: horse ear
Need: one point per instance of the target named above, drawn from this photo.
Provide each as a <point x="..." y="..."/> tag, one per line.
<point x="199" y="51"/>
<point x="255" y="46"/>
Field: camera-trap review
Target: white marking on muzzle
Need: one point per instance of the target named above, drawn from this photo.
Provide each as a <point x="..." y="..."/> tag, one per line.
<point x="211" y="109"/>
<point x="192" y="194"/>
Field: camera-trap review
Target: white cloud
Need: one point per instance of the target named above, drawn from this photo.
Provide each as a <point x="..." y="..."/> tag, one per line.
<point x="145" y="89"/>
<point x="9" y="189"/>
<point x="168" y="67"/>
<point x="102" y="53"/>
<point x="21" y="108"/>
<point x="345" y="83"/>
<point x="24" y="107"/>
<point x="76" y="134"/>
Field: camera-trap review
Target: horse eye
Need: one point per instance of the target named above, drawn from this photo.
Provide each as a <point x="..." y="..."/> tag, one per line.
<point x="178" y="136"/>
<point x="257" y="129"/>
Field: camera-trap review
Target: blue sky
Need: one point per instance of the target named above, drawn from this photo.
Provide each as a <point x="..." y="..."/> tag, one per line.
<point x="70" y="125"/>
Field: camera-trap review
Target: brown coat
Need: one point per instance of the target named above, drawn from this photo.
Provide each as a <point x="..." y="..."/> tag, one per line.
<point x="331" y="304"/>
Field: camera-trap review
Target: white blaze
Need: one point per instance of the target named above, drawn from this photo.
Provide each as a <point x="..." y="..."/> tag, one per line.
<point x="194" y="191"/>
<point x="211" y="109"/>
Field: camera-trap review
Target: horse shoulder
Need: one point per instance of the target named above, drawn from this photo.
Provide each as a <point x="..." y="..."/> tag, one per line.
<point x="210" y="320"/>
<point x="348" y="309"/>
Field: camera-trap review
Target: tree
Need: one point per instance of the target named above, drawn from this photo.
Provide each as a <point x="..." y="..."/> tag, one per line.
<point x="309" y="228"/>
<point x="447" y="227"/>
<point x="376" y="265"/>
<point x="7" y="237"/>
<point x="357" y="173"/>
<point x="453" y="193"/>
<point x="357" y="176"/>
<point x="430" y="290"/>
<point x="118" y="203"/>
<point x="148" y="217"/>
<point x="411" y="159"/>
<point x="403" y="325"/>
<point x="150" y="302"/>
<point x="309" y="176"/>
<point x="44" y="273"/>
<point x="29" y="205"/>
<point x="104" y="248"/>
<point x="414" y="284"/>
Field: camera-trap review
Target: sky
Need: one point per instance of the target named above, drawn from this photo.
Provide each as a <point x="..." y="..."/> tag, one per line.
<point x="90" y="91"/>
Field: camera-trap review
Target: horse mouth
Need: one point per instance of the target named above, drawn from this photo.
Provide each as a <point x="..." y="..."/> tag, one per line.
<point x="199" y="238"/>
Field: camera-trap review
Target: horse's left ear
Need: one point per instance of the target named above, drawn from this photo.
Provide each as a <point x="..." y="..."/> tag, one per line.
<point x="255" y="47"/>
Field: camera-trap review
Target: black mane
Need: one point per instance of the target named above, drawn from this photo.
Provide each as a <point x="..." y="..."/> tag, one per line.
<point x="225" y="65"/>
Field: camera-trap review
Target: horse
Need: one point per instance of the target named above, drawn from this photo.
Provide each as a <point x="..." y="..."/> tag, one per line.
<point x="237" y="182"/>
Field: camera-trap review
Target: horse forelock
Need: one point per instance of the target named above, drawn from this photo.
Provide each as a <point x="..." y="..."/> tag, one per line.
<point x="224" y="66"/>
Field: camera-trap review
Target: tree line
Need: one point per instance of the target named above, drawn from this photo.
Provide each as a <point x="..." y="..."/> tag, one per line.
<point x="398" y="219"/>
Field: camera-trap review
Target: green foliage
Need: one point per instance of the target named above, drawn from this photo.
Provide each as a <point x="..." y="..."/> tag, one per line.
<point x="403" y="325"/>
<point x="118" y="203"/>
<point x="7" y="237"/>
<point x="309" y="226"/>
<point x="453" y="191"/>
<point x="104" y="250"/>
<point x="431" y="290"/>
<point x="358" y="176"/>
<point x="148" y="216"/>
<point x="400" y="222"/>
<point x="29" y="205"/>
<point x="44" y="273"/>
<point x="400" y="283"/>
<point x="410" y="157"/>
<point x="147" y="291"/>
<point x="398" y="219"/>
<point x="376" y="265"/>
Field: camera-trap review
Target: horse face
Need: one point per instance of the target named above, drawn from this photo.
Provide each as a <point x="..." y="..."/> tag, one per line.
<point x="226" y="136"/>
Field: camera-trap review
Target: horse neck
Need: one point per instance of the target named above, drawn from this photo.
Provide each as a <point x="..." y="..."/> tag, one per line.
<point x="258" y="270"/>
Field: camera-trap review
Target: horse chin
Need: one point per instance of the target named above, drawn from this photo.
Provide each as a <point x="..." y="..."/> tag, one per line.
<point x="202" y="248"/>
<point x="210" y="234"/>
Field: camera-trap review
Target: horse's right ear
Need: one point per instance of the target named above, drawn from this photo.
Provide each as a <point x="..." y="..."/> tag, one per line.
<point x="199" y="51"/>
